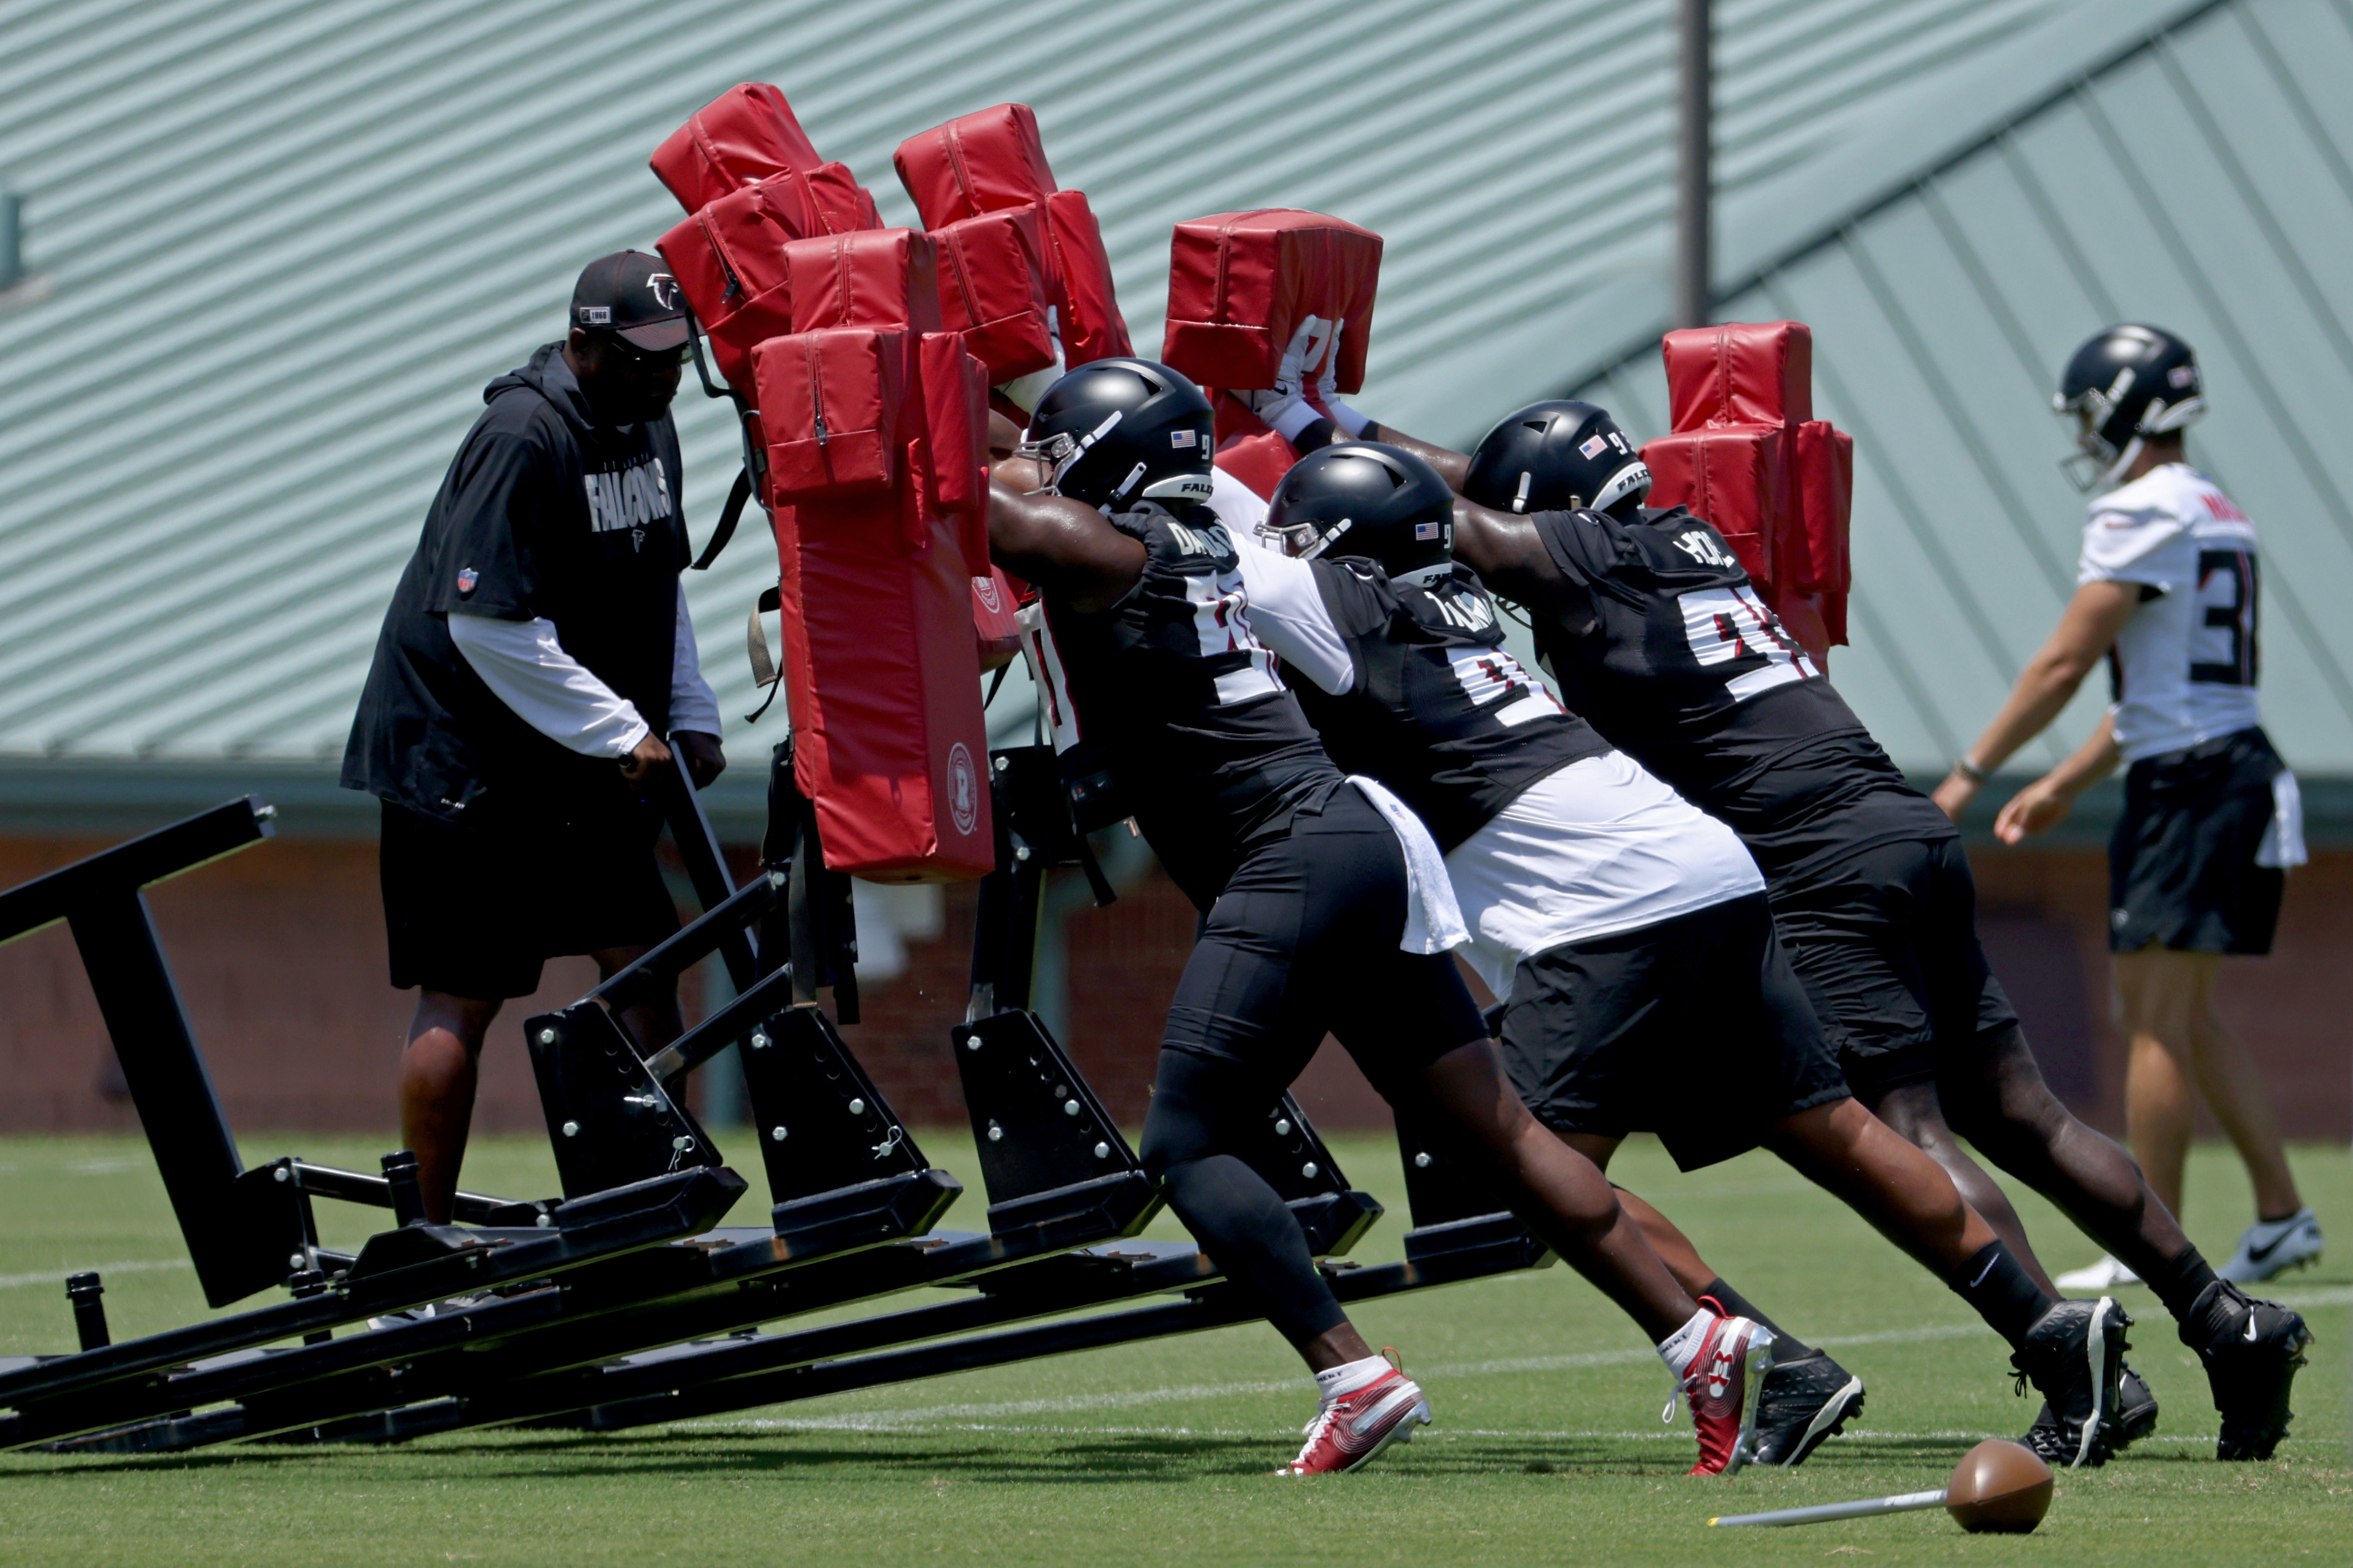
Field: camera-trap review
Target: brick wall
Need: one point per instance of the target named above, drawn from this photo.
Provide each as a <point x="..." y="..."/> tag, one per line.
<point x="280" y="954"/>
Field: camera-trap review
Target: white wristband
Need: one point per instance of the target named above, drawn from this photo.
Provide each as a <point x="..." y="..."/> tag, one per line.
<point x="1295" y="418"/>
<point x="1351" y="423"/>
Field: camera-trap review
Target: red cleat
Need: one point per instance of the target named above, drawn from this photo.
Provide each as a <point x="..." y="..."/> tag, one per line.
<point x="1351" y="1430"/>
<point x="1722" y="1388"/>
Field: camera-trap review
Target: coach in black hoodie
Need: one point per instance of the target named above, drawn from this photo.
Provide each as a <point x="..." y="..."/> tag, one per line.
<point x="536" y="651"/>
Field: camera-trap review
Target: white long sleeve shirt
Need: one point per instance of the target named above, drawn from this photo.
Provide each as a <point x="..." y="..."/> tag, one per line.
<point x="526" y="667"/>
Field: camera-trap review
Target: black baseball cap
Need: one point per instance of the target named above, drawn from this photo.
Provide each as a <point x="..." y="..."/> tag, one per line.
<point x="632" y="296"/>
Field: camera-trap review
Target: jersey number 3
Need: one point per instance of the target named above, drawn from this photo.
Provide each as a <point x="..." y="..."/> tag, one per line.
<point x="1728" y="624"/>
<point x="2233" y="616"/>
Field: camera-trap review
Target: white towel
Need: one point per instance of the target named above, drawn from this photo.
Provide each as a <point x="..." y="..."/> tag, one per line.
<point x="1433" y="921"/>
<point x="2282" y="845"/>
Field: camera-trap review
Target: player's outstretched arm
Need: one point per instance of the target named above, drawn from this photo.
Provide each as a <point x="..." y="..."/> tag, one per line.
<point x="2086" y="631"/>
<point x="1060" y="543"/>
<point x="2044" y="804"/>
<point x="1507" y="554"/>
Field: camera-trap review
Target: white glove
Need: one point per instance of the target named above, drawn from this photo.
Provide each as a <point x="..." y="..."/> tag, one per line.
<point x="1327" y="388"/>
<point x="1284" y="405"/>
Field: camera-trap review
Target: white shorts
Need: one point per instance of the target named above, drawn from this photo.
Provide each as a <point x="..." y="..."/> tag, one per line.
<point x="1596" y="848"/>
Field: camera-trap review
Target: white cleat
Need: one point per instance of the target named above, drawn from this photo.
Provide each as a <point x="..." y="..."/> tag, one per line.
<point x="2272" y="1247"/>
<point x="2098" y="1279"/>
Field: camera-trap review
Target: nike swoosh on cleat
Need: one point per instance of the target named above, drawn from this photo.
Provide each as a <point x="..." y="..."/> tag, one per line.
<point x="2250" y="1328"/>
<point x="2258" y="1254"/>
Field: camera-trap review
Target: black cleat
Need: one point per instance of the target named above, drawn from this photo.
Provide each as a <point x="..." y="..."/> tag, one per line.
<point x="2251" y="1351"/>
<point x="1803" y="1402"/>
<point x="2136" y="1419"/>
<point x="2074" y="1355"/>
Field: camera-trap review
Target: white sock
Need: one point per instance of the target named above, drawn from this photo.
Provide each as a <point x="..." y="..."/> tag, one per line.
<point x="1680" y="1349"/>
<point x="1332" y="1383"/>
<point x="1351" y="423"/>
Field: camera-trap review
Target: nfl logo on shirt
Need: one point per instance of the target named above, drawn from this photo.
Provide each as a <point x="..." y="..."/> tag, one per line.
<point x="467" y="578"/>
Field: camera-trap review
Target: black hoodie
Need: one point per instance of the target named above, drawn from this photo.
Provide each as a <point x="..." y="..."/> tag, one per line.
<point x="544" y="513"/>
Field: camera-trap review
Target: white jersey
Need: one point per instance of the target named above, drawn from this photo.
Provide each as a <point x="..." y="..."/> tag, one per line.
<point x="2184" y="667"/>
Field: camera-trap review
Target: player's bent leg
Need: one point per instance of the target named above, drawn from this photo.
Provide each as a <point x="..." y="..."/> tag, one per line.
<point x="1720" y="1360"/>
<point x="1366" y="1403"/>
<point x="439" y="1070"/>
<point x="1560" y="1194"/>
<point x="1913" y="1111"/>
<point x="2234" y="1087"/>
<point x="2072" y="1351"/>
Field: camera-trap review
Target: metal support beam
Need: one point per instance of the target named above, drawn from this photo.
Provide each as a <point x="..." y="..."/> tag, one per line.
<point x="1695" y="264"/>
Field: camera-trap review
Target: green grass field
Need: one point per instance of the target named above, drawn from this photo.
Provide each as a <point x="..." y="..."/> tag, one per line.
<point x="1548" y="1447"/>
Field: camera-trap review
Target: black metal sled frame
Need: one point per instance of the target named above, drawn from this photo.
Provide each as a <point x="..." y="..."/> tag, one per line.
<point x="250" y="1229"/>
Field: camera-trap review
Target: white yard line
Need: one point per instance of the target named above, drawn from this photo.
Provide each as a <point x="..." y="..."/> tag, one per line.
<point x="58" y="1277"/>
<point x="990" y="1417"/>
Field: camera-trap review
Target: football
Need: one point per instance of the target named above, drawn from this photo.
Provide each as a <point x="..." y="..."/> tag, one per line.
<point x="1998" y="1486"/>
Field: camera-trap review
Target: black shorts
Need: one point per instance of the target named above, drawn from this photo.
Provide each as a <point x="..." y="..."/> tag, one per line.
<point x="475" y="913"/>
<point x="1886" y="944"/>
<point x="1694" y="1028"/>
<point x="2181" y="862"/>
<point x="1302" y="940"/>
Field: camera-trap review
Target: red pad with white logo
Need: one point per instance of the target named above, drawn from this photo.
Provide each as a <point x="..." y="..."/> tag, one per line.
<point x="746" y="133"/>
<point x="1748" y="456"/>
<point x="1241" y="284"/>
<point x="882" y="680"/>
<point x="995" y="605"/>
<point x="993" y="291"/>
<point x="832" y="404"/>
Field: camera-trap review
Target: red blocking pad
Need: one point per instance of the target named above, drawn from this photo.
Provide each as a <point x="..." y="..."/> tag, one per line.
<point x="1093" y="328"/>
<point x="1735" y="478"/>
<point x="746" y="133"/>
<point x="1740" y="373"/>
<point x="1259" y="461"/>
<point x="1747" y="455"/>
<point x="874" y="277"/>
<point x="883" y="680"/>
<point x="1241" y="284"/>
<point x="975" y="163"/>
<point x="831" y="407"/>
<point x="993" y="291"/>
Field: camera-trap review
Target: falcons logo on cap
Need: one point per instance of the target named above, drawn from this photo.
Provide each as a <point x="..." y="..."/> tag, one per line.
<point x="665" y="290"/>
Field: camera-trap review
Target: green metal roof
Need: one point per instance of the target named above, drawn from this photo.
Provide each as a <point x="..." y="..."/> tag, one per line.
<point x="2193" y="174"/>
<point x="282" y="246"/>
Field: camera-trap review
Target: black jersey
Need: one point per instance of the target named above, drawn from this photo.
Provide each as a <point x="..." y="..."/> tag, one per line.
<point x="1427" y="701"/>
<point x="1659" y="639"/>
<point x="1204" y="745"/>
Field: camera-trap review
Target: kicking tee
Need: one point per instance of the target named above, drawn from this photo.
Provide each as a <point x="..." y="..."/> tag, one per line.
<point x="1177" y="695"/>
<point x="1658" y="638"/>
<point x="2183" y="669"/>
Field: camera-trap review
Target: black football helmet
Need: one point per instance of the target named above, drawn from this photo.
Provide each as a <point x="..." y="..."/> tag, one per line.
<point x="1558" y="456"/>
<point x="1117" y="431"/>
<point x="2122" y="386"/>
<point x="1362" y="498"/>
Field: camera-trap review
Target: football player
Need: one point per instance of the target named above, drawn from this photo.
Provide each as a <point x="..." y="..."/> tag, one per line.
<point x="1626" y="934"/>
<point x="1326" y="906"/>
<point x="2166" y="588"/>
<point x="1658" y="638"/>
